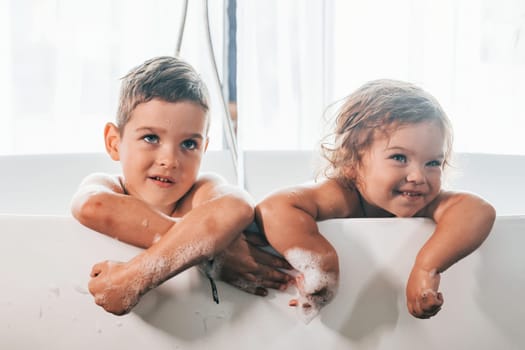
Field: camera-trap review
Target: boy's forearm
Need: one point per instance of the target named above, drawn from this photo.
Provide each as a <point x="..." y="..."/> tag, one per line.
<point x="460" y="229"/>
<point x="200" y="235"/>
<point x="124" y="217"/>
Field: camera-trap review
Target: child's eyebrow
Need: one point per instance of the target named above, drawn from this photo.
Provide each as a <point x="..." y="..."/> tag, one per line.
<point x="147" y="129"/>
<point x="194" y="136"/>
<point x="404" y="150"/>
<point x="160" y="131"/>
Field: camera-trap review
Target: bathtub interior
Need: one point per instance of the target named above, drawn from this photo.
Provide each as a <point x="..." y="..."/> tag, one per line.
<point x="48" y="256"/>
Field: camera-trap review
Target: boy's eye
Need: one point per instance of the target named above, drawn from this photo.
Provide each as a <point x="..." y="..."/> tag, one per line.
<point x="434" y="163"/>
<point x="399" y="157"/>
<point x="189" y="144"/>
<point x="151" y="138"/>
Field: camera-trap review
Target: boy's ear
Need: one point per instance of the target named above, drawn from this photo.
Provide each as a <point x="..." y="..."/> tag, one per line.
<point x="112" y="140"/>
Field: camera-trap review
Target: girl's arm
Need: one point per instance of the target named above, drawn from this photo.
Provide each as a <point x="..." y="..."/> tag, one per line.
<point x="288" y="218"/>
<point x="463" y="221"/>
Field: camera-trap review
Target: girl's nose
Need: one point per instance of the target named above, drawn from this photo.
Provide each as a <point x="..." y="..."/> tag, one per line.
<point x="416" y="175"/>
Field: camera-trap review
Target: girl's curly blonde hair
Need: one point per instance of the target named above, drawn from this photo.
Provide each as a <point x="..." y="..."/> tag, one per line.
<point x="379" y="106"/>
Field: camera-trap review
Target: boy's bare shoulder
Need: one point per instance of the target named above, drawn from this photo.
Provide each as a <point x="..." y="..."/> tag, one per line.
<point x="102" y="182"/>
<point x="209" y="186"/>
<point x="210" y="178"/>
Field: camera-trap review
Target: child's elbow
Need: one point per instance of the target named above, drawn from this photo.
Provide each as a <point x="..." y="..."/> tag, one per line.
<point x="490" y="213"/>
<point x="89" y="208"/>
<point x="245" y="210"/>
<point x="273" y="206"/>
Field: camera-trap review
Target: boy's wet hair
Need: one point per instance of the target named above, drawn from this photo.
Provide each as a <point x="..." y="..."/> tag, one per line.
<point x="167" y="78"/>
<point x="379" y="106"/>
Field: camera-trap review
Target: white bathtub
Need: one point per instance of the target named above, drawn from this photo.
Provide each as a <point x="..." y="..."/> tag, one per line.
<point x="47" y="258"/>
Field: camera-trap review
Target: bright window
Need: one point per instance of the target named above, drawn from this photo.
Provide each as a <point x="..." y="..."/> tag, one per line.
<point x="297" y="57"/>
<point x="61" y="61"/>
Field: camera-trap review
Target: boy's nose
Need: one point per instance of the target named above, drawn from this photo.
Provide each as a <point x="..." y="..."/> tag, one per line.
<point x="167" y="160"/>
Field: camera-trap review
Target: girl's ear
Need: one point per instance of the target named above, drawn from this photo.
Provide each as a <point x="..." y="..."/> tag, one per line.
<point x="350" y="172"/>
<point x="112" y="140"/>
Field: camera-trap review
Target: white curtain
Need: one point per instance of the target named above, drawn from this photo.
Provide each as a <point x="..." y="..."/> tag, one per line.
<point x="61" y="61"/>
<point x="297" y="57"/>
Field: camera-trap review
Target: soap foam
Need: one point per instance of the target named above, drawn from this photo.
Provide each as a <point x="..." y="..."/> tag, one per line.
<point x="317" y="287"/>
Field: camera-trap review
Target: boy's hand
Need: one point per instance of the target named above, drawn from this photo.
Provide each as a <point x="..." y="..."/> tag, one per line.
<point x="112" y="289"/>
<point x="248" y="267"/>
<point x="423" y="298"/>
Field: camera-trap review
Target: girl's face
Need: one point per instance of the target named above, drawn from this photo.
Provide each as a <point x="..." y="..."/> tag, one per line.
<point x="161" y="151"/>
<point x="401" y="172"/>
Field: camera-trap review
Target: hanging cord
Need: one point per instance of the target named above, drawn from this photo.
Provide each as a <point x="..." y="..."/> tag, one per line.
<point x="227" y="121"/>
<point x="181" y="28"/>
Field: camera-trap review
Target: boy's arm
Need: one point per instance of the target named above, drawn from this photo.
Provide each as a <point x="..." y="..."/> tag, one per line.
<point x="100" y="204"/>
<point x="213" y="210"/>
<point x="463" y="221"/>
<point x="248" y="266"/>
<point x="288" y="218"/>
<point x="215" y="213"/>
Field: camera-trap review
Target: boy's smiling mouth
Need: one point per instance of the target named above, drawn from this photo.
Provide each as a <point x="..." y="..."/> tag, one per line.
<point x="162" y="180"/>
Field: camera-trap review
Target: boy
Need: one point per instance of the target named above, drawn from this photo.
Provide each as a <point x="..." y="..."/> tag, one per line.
<point x="160" y="202"/>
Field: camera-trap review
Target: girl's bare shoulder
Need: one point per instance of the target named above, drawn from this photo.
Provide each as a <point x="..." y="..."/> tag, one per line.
<point x="334" y="200"/>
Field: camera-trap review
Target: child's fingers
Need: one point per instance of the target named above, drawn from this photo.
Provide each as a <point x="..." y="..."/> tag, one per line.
<point x="265" y="258"/>
<point x="96" y="270"/>
<point x="433" y="305"/>
<point x="250" y="287"/>
<point x="427" y="305"/>
<point x="267" y="281"/>
<point x="255" y="239"/>
<point x="271" y="275"/>
<point x="431" y="301"/>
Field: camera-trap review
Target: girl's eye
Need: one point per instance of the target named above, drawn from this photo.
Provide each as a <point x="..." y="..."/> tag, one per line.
<point x="189" y="144"/>
<point x="151" y="138"/>
<point x="399" y="158"/>
<point x="434" y="163"/>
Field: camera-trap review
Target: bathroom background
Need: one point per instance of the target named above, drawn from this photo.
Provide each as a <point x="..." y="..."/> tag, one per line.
<point x="282" y="63"/>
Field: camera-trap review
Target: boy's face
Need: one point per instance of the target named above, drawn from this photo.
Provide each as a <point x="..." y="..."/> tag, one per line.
<point x="160" y="150"/>
<point x="401" y="172"/>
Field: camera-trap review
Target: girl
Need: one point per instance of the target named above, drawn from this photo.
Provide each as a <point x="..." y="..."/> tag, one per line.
<point x="391" y="143"/>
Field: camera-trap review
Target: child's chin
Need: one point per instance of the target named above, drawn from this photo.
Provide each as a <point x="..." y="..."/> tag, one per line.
<point x="405" y="213"/>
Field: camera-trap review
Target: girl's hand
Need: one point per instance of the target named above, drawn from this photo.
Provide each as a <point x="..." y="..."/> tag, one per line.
<point x="423" y="298"/>
<point x="310" y="301"/>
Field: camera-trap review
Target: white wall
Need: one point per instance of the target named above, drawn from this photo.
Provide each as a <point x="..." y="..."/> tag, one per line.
<point x="46" y="262"/>
<point x="36" y="184"/>
<point x="498" y="178"/>
<point x="44" y="184"/>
